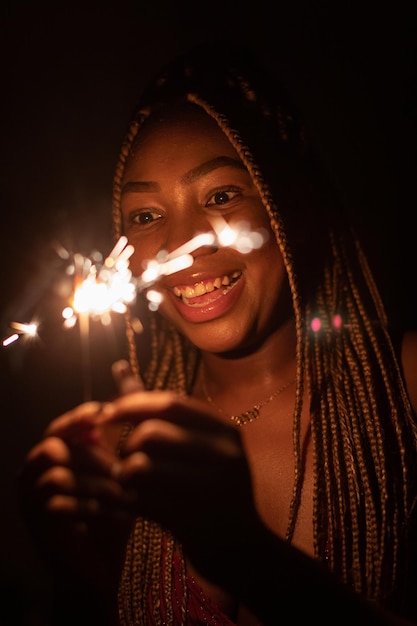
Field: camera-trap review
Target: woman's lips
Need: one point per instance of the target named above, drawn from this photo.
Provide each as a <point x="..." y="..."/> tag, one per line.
<point x="206" y="300"/>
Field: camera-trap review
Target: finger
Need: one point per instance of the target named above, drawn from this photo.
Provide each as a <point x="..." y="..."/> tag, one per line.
<point x="96" y="459"/>
<point x="162" y="439"/>
<point x="181" y="492"/>
<point x="61" y="481"/>
<point x="54" y="455"/>
<point x="142" y="405"/>
<point x="54" y="452"/>
<point x="49" y="452"/>
<point x="124" y="378"/>
<point x="164" y="459"/>
<point x="67" y="506"/>
<point x="77" y="424"/>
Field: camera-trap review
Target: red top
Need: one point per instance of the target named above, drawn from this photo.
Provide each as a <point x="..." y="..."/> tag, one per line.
<point x="201" y="610"/>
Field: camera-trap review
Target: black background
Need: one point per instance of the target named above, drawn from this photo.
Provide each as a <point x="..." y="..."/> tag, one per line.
<point x="70" y="77"/>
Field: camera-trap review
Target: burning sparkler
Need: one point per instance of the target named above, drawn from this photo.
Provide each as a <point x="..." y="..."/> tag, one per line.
<point x="105" y="286"/>
<point x="102" y="287"/>
<point x="100" y="290"/>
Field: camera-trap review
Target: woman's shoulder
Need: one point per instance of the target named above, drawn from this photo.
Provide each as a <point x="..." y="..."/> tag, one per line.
<point x="409" y="363"/>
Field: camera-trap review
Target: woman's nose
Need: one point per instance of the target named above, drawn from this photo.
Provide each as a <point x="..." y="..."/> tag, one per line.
<point x="192" y="239"/>
<point x="199" y="245"/>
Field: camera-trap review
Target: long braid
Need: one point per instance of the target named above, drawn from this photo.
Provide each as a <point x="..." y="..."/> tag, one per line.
<point x="358" y="368"/>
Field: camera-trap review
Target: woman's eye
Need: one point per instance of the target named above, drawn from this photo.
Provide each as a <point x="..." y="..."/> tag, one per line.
<point x="144" y="217"/>
<point x="222" y="197"/>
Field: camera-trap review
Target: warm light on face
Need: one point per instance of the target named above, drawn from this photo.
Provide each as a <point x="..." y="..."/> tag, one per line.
<point x="101" y="288"/>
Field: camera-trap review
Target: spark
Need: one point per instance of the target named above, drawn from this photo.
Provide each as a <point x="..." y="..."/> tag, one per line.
<point x="204" y="239"/>
<point x="240" y="237"/>
<point x="28" y="330"/>
<point x="101" y="289"/>
<point x="155" y="269"/>
<point x="11" y="339"/>
<point x="105" y="286"/>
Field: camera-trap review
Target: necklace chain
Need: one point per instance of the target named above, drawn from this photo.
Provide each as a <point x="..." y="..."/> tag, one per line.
<point x="251" y="414"/>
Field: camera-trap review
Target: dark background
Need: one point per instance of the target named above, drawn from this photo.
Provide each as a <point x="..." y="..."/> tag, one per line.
<point x="70" y="77"/>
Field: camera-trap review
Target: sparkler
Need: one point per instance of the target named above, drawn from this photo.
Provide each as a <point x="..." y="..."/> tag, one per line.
<point x="105" y="286"/>
<point x="99" y="289"/>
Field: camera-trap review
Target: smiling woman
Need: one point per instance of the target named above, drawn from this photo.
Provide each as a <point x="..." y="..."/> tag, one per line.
<point x="263" y="463"/>
<point x="169" y="196"/>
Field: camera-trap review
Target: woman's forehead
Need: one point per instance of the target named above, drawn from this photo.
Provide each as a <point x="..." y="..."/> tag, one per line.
<point x="183" y="126"/>
<point x="177" y="116"/>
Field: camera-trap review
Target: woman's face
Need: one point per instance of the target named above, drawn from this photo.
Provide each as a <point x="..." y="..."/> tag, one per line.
<point x="182" y="174"/>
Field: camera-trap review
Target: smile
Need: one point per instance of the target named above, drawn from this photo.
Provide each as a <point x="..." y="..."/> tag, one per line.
<point x="188" y="292"/>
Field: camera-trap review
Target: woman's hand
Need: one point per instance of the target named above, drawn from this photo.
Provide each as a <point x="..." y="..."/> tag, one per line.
<point x="189" y="472"/>
<point x="78" y="512"/>
<point x="181" y="465"/>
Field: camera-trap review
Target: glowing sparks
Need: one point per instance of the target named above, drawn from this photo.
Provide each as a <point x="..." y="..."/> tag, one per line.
<point x="105" y="286"/>
<point x="241" y="237"/>
<point x="155" y="269"/>
<point x="27" y="330"/>
<point x="169" y="263"/>
<point x="10" y="339"/>
<point x="204" y="239"/>
<point x="155" y="299"/>
<point x="102" y="289"/>
<point x="111" y="287"/>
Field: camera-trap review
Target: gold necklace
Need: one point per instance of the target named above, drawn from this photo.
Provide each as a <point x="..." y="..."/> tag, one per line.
<point x="251" y="414"/>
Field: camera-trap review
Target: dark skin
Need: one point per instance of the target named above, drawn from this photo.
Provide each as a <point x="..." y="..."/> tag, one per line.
<point x="185" y="464"/>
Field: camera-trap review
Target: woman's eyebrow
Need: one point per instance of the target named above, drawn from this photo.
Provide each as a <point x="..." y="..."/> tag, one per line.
<point x="208" y="166"/>
<point x="138" y="186"/>
<point x="188" y="178"/>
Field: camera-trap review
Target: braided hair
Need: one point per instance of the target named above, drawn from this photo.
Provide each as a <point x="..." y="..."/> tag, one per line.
<point x="362" y="423"/>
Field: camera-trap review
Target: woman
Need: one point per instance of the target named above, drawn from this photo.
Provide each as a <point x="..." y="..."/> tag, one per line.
<point x="259" y="464"/>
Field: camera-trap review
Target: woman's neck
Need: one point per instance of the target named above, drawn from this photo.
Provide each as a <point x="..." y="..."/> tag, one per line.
<point x="251" y="375"/>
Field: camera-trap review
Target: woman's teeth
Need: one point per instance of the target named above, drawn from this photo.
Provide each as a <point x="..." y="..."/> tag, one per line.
<point x="200" y="289"/>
